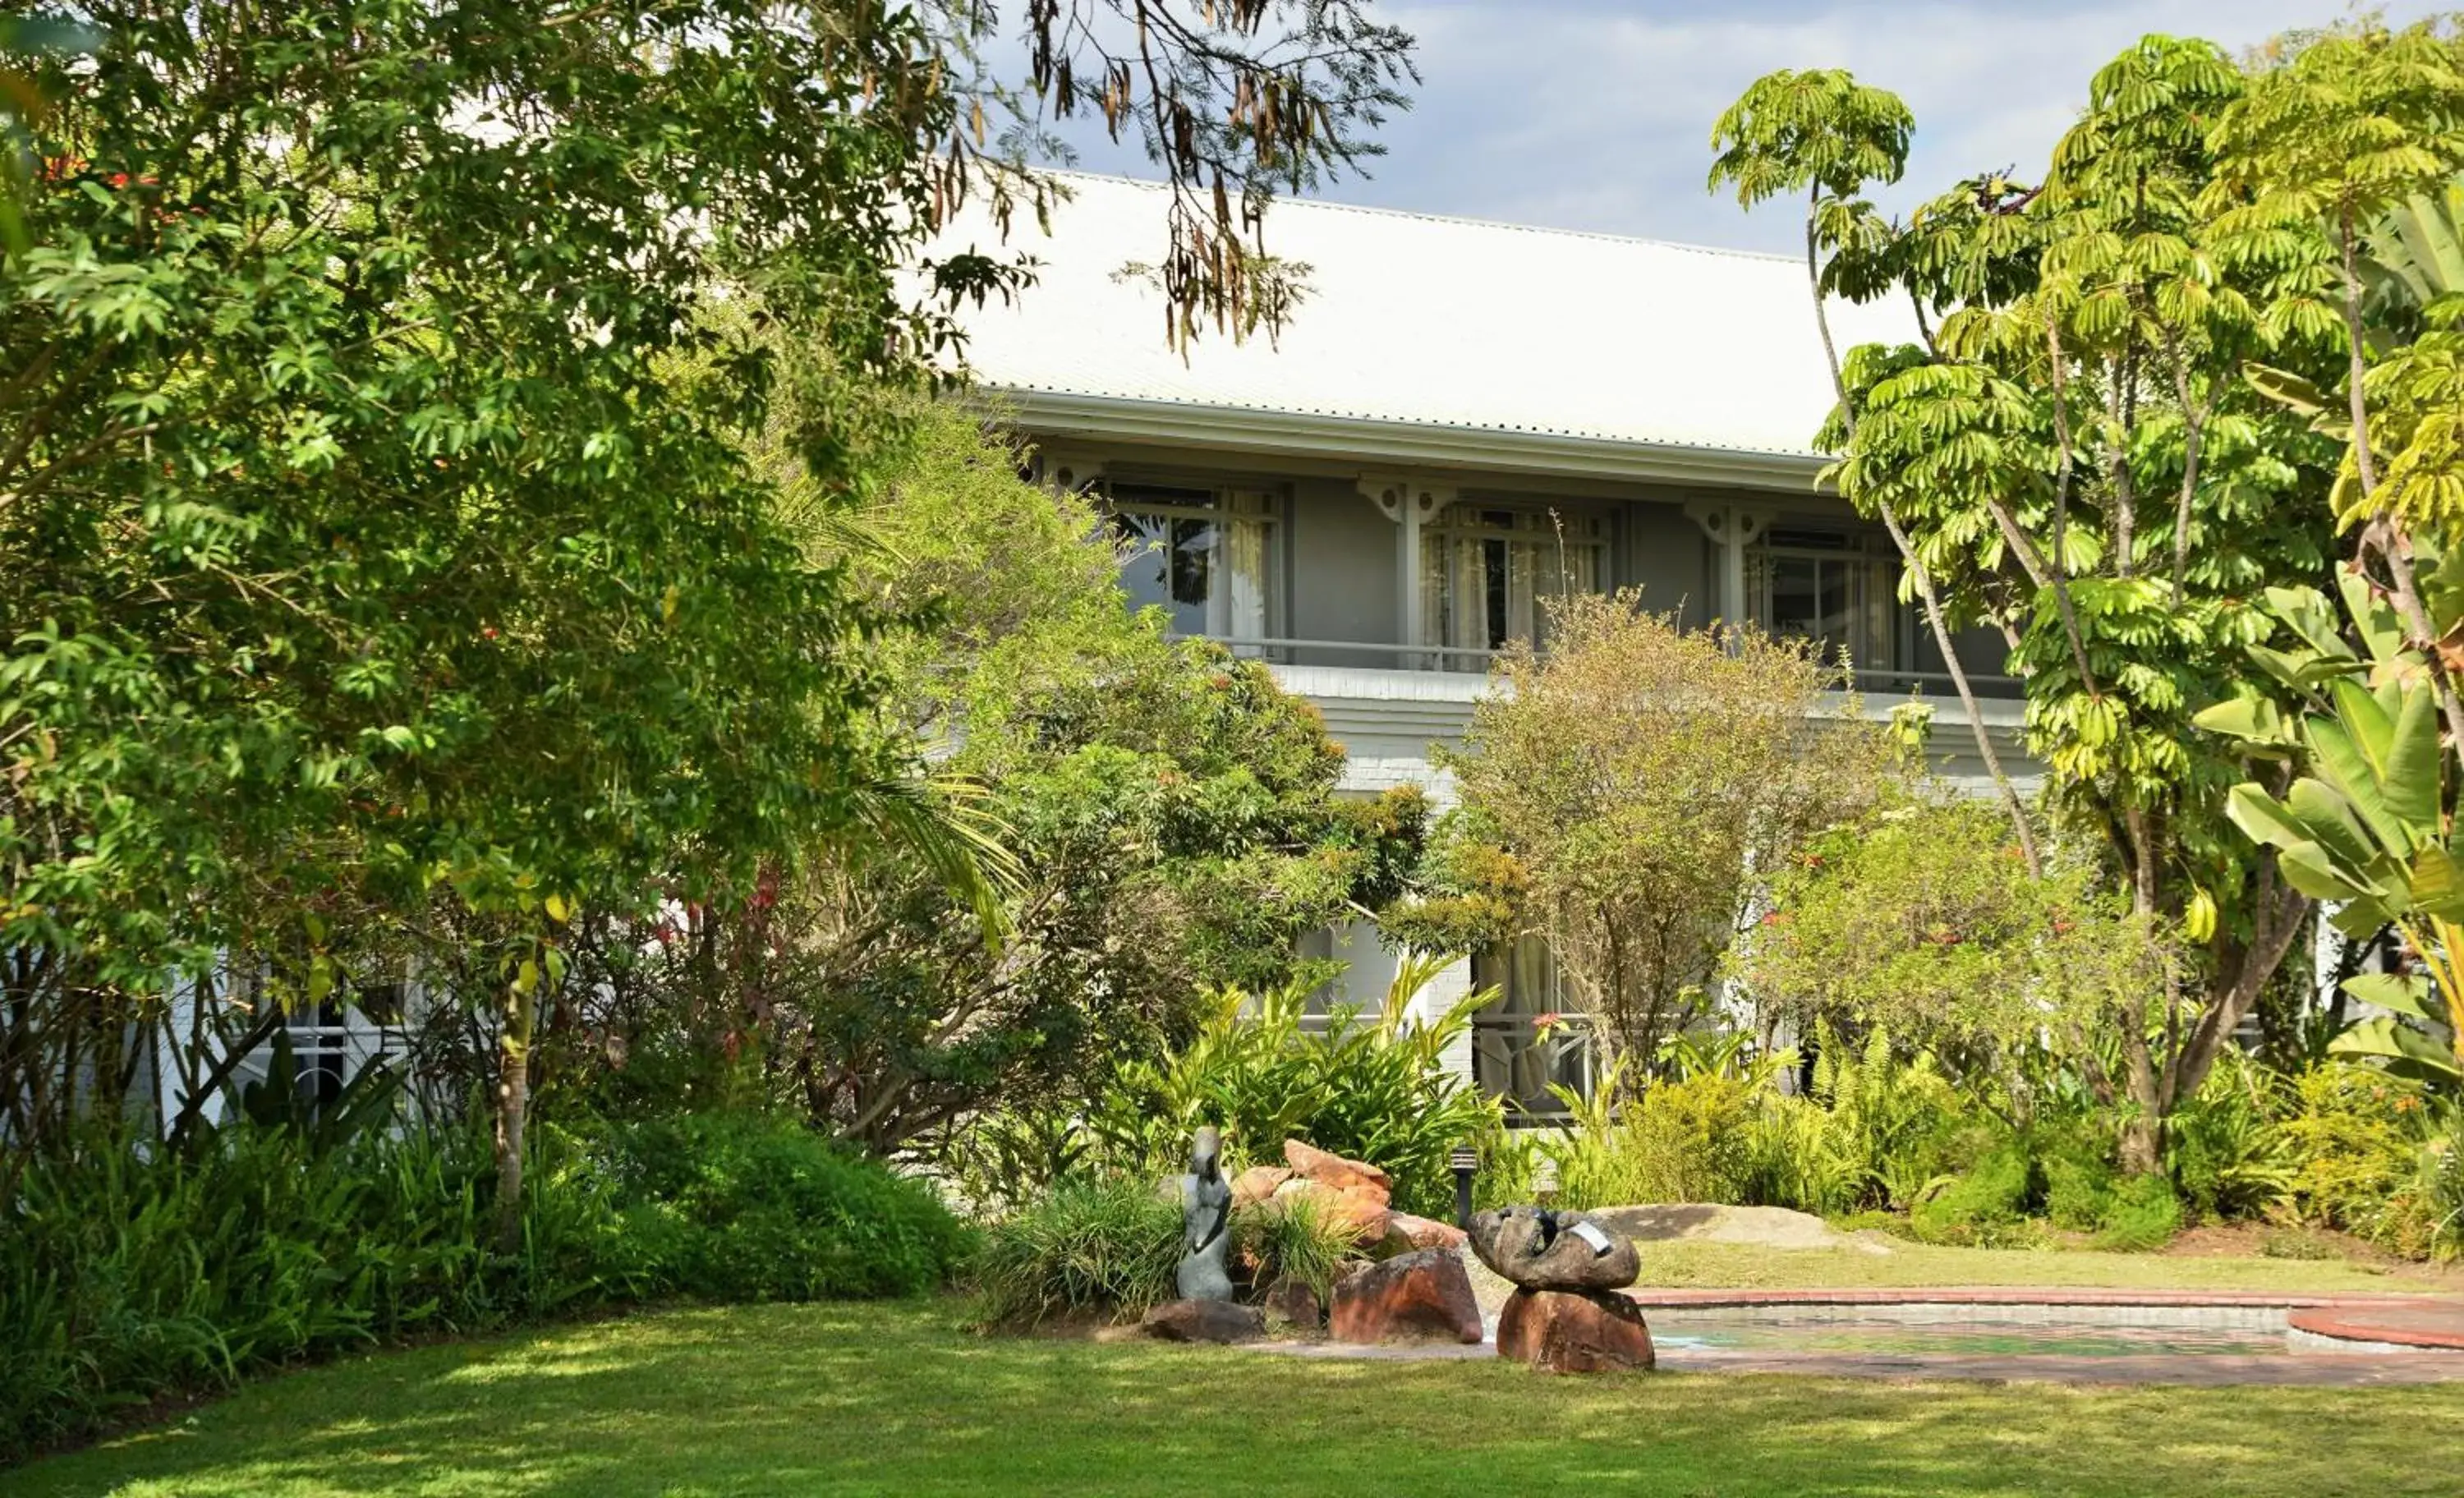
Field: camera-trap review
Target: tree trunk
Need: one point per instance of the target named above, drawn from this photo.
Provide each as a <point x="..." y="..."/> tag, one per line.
<point x="512" y="1118"/>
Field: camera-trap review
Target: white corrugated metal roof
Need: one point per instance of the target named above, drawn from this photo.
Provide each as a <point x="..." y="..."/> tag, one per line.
<point x="1437" y="321"/>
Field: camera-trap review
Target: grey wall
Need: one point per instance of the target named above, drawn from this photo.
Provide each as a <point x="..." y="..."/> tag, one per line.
<point x="1341" y="570"/>
<point x="1669" y="558"/>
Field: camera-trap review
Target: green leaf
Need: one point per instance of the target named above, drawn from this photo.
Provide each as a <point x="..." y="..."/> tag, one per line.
<point x="2287" y="389"/>
<point x="2252" y="718"/>
<point x="2410" y="779"/>
<point x="2328" y="818"/>
<point x="2407" y="994"/>
<point x="2385" y="1036"/>
<point x="2439" y="883"/>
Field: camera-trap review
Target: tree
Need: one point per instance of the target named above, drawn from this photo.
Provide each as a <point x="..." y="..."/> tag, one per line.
<point x="371" y="559"/>
<point x="1646" y="781"/>
<point x="1168" y="808"/>
<point x="2352" y="129"/>
<point x="1923" y="920"/>
<point x="1822" y="133"/>
<point x="2083" y="354"/>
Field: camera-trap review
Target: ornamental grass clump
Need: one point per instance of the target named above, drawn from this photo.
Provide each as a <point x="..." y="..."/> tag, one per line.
<point x="1096" y="1246"/>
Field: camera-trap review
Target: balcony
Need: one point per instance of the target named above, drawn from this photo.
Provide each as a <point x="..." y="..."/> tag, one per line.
<point x="1388" y="704"/>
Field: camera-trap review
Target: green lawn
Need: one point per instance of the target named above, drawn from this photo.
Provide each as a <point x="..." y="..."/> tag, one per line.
<point x="899" y="1399"/>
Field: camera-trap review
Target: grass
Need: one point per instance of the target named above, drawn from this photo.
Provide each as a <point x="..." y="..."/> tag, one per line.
<point x="898" y="1398"/>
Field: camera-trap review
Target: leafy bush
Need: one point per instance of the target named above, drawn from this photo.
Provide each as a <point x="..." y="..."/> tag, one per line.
<point x="2078" y="1191"/>
<point x="1375" y="1090"/>
<point x="126" y="1277"/>
<point x="2351" y="1150"/>
<point x="1684" y="1140"/>
<point x="748" y="1207"/>
<point x="2143" y="1214"/>
<point x="2228" y="1156"/>
<point x="2440" y="1188"/>
<point x="1294" y="1239"/>
<point x="1986" y="1207"/>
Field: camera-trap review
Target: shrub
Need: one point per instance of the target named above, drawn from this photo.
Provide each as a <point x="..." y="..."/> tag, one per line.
<point x="128" y="1277"/>
<point x="2078" y="1191"/>
<point x="2142" y="1213"/>
<point x="750" y="1207"/>
<point x="1683" y="1141"/>
<point x="1110" y="1244"/>
<point x="2227" y="1154"/>
<point x="2351" y="1152"/>
<point x="1793" y="1159"/>
<point x="1102" y="1244"/>
<point x="124" y="1279"/>
<point x="2441" y="1187"/>
<point x="1294" y="1239"/>
<point x="1985" y="1208"/>
<point x="1375" y="1090"/>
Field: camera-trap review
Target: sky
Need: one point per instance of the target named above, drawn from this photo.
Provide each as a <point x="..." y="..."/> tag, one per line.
<point x="1594" y="115"/>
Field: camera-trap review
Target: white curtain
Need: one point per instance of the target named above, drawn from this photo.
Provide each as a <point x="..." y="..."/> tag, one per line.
<point x="1236" y="605"/>
<point x="1454" y="597"/>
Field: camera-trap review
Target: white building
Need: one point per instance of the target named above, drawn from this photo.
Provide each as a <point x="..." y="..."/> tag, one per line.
<point x="1460" y="417"/>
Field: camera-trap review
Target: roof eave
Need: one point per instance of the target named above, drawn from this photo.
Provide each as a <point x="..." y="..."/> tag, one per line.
<point x="1408" y="444"/>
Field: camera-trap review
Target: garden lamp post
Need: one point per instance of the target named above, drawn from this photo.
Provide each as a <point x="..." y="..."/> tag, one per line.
<point x="1465" y="1161"/>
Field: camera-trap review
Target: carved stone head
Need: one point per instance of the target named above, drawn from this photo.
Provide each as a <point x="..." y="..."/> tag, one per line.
<point x="1206" y="1154"/>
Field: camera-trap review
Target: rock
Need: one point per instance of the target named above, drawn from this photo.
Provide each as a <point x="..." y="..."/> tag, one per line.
<point x="1311" y="1163"/>
<point x="1293" y="1302"/>
<point x="1421" y="1232"/>
<point x="1575" y="1332"/>
<point x="1257" y="1184"/>
<point x="1763" y="1227"/>
<point x="1415" y="1297"/>
<point x="1205" y="1321"/>
<point x="1540" y="1249"/>
<point x="1361" y="1214"/>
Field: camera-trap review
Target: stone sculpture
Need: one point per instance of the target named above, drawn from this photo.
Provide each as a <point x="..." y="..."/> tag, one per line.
<point x="1540" y="1249"/>
<point x="1206" y="1222"/>
<point x="1564" y="1314"/>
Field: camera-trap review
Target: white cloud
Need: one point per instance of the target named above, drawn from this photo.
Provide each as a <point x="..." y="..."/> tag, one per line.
<point x="1582" y="114"/>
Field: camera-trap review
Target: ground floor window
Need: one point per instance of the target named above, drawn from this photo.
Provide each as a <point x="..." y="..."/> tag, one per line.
<point x="1527" y="1039"/>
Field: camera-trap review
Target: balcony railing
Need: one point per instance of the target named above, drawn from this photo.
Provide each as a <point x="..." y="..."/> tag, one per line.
<point x="1287" y="651"/>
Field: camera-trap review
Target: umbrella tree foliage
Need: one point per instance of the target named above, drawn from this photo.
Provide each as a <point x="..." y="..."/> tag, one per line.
<point x="2078" y="460"/>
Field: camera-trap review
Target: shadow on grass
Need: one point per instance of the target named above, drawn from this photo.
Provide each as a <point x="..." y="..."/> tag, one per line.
<point x="897" y="1399"/>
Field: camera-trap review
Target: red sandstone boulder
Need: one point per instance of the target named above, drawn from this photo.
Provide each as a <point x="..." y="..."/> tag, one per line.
<point x="1205" y="1321"/>
<point x="1291" y="1302"/>
<point x="1359" y="1213"/>
<point x="1575" y="1332"/>
<point x="1408" y="1232"/>
<point x="1311" y="1163"/>
<point x="1413" y="1297"/>
<point x="1257" y="1184"/>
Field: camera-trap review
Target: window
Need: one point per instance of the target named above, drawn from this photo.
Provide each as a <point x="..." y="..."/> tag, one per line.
<point x="1485" y="575"/>
<point x="1357" y="987"/>
<point x="1528" y="1038"/>
<point x="1203" y="555"/>
<point x="1832" y="587"/>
